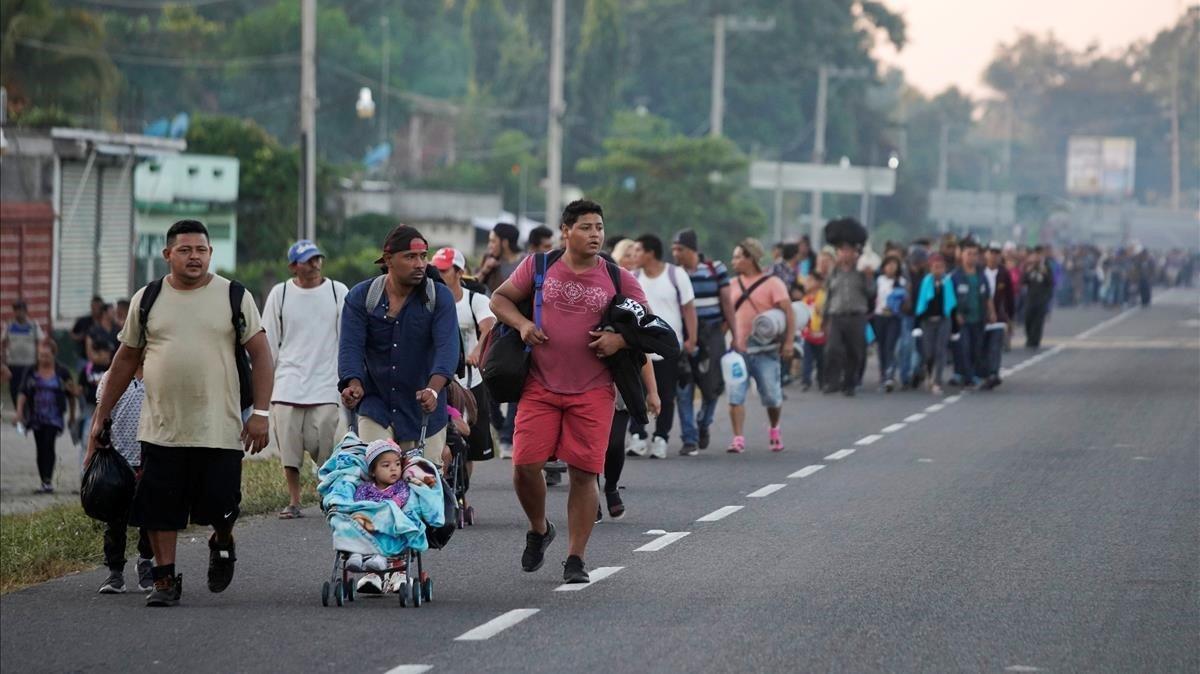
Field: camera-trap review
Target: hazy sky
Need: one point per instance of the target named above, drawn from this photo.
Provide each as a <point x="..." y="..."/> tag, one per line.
<point x="950" y="42"/>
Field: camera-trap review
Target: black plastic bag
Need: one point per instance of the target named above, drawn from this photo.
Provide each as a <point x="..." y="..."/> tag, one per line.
<point x="108" y="482"/>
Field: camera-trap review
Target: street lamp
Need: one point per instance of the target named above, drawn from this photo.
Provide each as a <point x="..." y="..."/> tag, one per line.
<point x="365" y="105"/>
<point x="893" y="161"/>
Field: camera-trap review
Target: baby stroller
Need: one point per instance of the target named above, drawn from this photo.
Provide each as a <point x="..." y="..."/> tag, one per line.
<point x="426" y="521"/>
<point x="457" y="477"/>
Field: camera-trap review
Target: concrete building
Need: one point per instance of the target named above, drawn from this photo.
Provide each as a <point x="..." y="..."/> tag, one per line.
<point x="83" y="179"/>
<point x="445" y="217"/>
<point x="184" y="186"/>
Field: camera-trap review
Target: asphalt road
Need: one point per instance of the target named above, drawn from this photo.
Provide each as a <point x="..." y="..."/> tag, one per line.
<point x="1052" y="524"/>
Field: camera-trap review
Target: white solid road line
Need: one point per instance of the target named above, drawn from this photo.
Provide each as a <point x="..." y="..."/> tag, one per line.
<point x="409" y="669"/>
<point x="720" y="513"/>
<point x="664" y="539"/>
<point x="809" y="470"/>
<point x="598" y="574"/>
<point x="836" y="456"/>
<point x="868" y="440"/>
<point x="893" y="428"/>
<point x="496" y="625"/>
<point x="762" y="492"/>
<point x="936" y="407"/>
<point x="914" y="418"/>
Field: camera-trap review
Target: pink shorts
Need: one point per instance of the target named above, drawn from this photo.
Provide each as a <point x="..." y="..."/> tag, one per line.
<point x="573" y="428"/>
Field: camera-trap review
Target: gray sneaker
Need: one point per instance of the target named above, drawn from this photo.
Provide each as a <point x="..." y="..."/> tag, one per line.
<point x="115" y="583"/>
<point x="167" y="591"/>
<point x="145" y="577"/>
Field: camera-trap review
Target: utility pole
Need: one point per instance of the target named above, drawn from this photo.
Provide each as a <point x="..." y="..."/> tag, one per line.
<point x="554" y="133"/>
<point x="307" y="226"/>
<point x="717" y="111"/>
<point x="818" y="156"/>
<point x="1175" y="201"/>
<point x="385" y="68"/>
<point x="943" y="152"/>
<point x="721" y="24"/>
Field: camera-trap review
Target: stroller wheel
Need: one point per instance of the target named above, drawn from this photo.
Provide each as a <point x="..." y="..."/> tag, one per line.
<point x="460" y="518"/>
<point x="470" y="516"/>
<point x="338" y="592"/>
<point x="415" y="586"/>
<point x="427" y="589"/>
<point x="403" y="598"/>
<point x="325" y="593"/>
<point x="349" y="590"/>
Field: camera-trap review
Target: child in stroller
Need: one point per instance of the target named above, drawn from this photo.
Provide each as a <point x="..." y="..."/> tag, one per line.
<point x="380" y="503"/>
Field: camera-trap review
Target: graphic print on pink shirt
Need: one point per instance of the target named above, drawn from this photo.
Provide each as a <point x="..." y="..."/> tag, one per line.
<point x="572" y="305"/>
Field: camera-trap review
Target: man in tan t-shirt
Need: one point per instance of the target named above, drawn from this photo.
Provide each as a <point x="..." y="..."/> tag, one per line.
<point x="191" y="426"/>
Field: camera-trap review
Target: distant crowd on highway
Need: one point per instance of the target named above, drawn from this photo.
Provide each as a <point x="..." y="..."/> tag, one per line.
<point x="625" y="336"/>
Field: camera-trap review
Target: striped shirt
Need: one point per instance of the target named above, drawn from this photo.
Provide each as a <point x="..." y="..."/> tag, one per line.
<point x="707" y="281"/>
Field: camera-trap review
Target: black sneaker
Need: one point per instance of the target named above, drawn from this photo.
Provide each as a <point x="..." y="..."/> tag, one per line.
<point x="689" y="449"/>
<point x="166" y="591"/>
<point x="704" y="438"/>
<point x="221" y="561"/>
<point x="616" y="509"/>
<point x="535" y="548"/>
<point x="599" y="514"/>
<point x="115" y="583"/>
<point x="145" y="576"/>
<point x="573" y="571"/>
<point x="553" y="478"/>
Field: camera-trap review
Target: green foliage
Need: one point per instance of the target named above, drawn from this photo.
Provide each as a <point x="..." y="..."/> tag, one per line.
<point x="660" y="185"/>
<point x="43" y="118"/>
<point x="36" y="547"/>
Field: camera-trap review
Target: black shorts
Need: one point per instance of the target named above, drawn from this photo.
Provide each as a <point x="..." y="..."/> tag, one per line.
<point x="182" y="483"/>
<point x="479" y="444"/>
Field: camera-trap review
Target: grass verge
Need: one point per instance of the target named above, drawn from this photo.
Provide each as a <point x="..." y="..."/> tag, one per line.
<point x="35" y="547"/>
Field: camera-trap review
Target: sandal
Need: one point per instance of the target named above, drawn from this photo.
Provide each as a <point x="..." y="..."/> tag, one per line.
<point x="290" y="513"/>
<point x="737" y="446"/>
<point x="616" y="509"/>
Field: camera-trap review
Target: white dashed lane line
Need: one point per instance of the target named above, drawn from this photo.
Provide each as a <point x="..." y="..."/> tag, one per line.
<point x="497" y="625"/>
<point x="720" y="513"/>
<point x="836" y="456"/>
<point x="952" y="399"/>
<point x="868" y="440"/>
<point x="893" y="428"/>
<point x="914" y="418"/>
<point x="664" y="539"/>
<point x="409" y="669"/>
<point x="936" y="407"/>
<point x="809" y="470"/>
<point x="765" y="491"/>
<point x="598" y="574"/>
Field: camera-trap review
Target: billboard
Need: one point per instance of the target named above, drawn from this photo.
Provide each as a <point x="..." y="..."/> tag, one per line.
<point x="1100" y="166"/>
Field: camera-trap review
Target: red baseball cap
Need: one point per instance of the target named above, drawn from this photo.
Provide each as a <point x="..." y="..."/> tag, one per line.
<point x="446" y="258"/>
<point x="401" y="238"/>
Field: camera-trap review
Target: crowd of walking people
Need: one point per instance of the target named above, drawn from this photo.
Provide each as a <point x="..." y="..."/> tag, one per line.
<point x="622" y="334"/>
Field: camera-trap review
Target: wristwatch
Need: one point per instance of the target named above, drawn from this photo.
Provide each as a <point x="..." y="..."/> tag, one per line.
<point x="262" y="413"/>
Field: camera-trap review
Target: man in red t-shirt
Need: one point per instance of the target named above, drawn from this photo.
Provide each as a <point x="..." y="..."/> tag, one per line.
<point x="567" y="404"/>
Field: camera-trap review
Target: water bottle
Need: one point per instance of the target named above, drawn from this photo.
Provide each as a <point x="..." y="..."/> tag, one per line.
<point x="733" y="368"/>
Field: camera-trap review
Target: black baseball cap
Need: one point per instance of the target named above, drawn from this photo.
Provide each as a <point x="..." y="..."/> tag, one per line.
<point x="401" y="238"/>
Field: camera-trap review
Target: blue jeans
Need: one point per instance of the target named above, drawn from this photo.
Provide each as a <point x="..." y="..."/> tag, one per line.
<point x="764" y="369"/>
<point x="689" y="423"/>
<point x="887" y="335"/>
<point x="906" y="349"/>
<point x="970" y="349"/>
<point x="813" y="359"/>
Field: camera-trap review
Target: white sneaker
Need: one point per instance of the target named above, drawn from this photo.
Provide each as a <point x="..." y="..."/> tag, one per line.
<point x="395" y="582"/>
<point x="658" y="448"/>
<point x="506" y="450"/>
<point x="636" y="446"/>
<point x="370" y="584"/>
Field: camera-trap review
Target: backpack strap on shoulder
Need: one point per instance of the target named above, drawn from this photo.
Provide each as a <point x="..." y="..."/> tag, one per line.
<point x="375" y="293"/>
<point x="236" y="292"/>
<point x="149" y="296"/>
<point x="430" y="294"/>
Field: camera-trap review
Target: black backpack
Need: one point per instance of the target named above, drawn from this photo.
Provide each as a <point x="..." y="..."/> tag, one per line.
<point x="237" y="291"/>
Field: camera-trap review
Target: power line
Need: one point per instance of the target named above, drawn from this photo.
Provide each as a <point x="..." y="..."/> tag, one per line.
<point x="273" y="60"/>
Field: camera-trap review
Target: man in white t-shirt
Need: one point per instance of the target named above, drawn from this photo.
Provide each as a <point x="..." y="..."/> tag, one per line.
<point x="669" y="291"/>
<point x="475" y="320"/>
<point x="302" y="317"/>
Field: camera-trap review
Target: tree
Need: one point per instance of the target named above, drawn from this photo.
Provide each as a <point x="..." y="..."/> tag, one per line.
<point x="54" y="58"/>
<point x="593" y="79"/>
<point x="649" y="183"/>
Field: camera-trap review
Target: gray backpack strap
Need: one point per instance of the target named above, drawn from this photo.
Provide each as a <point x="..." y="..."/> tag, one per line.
<point x="671" y="270"/>
<point x="375" y="293"/>
<point x="430" y="294"/>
